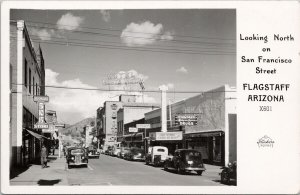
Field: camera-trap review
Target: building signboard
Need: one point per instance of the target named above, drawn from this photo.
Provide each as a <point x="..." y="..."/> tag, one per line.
<point x="143" y="126"/>
<point x="41" y="124"/>
<point x="186" y="119"/>
<point x="165" y="136"/>
<point x="114" y="107"/>
<point x="133" y="129"/>
<point x="41" y="98"/>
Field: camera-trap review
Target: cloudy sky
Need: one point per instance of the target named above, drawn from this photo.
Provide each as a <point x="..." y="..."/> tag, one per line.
<point x="188" y="50"/>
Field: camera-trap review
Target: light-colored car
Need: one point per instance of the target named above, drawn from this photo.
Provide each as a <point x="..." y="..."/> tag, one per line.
<point x="116" y="151"/>
<point x="156" y="155"/>
<point x="123" y="151"/>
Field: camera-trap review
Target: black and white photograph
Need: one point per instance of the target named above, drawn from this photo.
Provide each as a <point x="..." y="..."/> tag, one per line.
<point x="150" y="97"/>
<point x="123" y="97"/>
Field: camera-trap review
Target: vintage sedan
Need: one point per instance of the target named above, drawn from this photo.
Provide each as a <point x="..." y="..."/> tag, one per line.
<point x="123" y="151"/>
<point x="135" y="154"/>
<point x="185" y="160"/>
<point x="93" y="152"/>
<point x="77" y="156"/>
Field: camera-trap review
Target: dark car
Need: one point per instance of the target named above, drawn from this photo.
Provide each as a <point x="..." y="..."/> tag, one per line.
<point x="228" y="173"/>
<point x="77" y="156"/>
<point x="135" y="154"/>
<point x="93" y="152"/>
<point x="109" y="150"/>
<point x="185" y="160"/>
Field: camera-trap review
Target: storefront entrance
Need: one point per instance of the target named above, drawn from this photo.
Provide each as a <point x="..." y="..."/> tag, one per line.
<point x="211" y="146"/>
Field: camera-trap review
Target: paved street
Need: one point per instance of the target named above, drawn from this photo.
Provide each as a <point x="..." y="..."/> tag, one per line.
<point x="112" y="171"/>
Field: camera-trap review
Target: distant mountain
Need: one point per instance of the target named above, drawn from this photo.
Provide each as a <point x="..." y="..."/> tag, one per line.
<point x="76" y="130"/>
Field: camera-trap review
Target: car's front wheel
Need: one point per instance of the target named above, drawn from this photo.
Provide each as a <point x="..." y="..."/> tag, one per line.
<point x="165" y="166"/>
<point x="199" y="172"/>
<point x="179" y="171"/>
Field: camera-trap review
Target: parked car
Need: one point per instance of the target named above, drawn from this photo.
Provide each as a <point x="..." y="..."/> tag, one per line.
<point x="228" y="173"/>
<point x="93" y="152"/>
<point x="156" y="155"/>
<point x="123" y="151"/>
<point x="135" y="154"/>
<point x="108" y="151"/>
<point x="116" y="151"/>
<point x="185" y="160"/>
<point x="77" y="156"/>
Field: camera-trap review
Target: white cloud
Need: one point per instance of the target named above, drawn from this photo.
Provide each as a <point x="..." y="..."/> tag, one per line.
<point x="145" y="33"/>
<point x="182" y="70"/>
<point x="170" y="86"/>
<point x="105" y="15"/>
<point x="73" y="105"/>
<point x="69" y="22"/>
<point x="43" y="34"/>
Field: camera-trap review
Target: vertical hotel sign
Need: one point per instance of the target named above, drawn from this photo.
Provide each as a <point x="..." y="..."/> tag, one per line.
<point x="41" y="124"/>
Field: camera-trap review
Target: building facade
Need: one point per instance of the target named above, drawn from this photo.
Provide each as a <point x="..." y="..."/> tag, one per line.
<point x="215" y="132"/>
<point x="130" y="112"/>
<point x="27" y="79"/>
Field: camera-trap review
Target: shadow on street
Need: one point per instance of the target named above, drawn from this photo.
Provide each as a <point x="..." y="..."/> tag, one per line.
<point x="17" y="171"/>
<point x="43" y="182"/>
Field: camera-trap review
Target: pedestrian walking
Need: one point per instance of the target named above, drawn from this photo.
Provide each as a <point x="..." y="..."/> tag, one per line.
<point x="44" y="156"/>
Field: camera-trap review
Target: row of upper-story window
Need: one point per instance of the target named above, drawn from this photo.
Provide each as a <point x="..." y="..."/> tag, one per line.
<point x="30" y="82"/>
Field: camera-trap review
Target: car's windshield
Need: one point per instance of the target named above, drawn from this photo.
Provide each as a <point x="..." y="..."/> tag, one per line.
<point x="77" y="151"/>
<point x="193" y="155"/>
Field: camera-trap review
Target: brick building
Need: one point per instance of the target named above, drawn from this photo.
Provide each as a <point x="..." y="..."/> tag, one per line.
<point x="27" y="79"/>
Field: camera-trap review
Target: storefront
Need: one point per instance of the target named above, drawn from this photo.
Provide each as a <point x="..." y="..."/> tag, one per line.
<point x="210" y="144"/>
<point x="171" y="140"/>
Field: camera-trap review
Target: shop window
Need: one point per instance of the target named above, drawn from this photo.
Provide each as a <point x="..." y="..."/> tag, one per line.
<point x="33" y="86"/>
<point x="25" y="72"/>
<point x="29" y="80"/>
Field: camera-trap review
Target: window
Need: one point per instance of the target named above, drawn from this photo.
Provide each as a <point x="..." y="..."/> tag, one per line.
<point x="36" y="89"/>
<point x="33" y="86"/>
<point x="25" y="72"/>
<point x="29" y="80"/>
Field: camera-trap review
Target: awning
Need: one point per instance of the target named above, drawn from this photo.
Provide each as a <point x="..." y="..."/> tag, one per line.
<point x="38" y="136"/>
<point x="209" y="133"/>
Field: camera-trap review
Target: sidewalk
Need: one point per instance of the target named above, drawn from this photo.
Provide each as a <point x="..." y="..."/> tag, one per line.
<point x="54" y="174"/>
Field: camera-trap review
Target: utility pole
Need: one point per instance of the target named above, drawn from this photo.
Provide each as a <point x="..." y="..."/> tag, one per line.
<point x="163" y="89"/>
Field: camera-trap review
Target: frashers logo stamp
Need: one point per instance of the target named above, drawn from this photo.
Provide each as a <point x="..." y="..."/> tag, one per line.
<point x="265" y="141"/>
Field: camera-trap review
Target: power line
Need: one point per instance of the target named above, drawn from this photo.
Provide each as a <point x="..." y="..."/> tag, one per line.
<point x="112" y="35"/>
<point x="131" y="49"/>
<point x="122" y="90"/>
<point x="119" y="30"/>
<point x="101" y="41"/>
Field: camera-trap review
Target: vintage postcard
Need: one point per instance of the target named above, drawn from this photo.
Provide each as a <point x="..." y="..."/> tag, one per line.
<point x="151" y="97"/>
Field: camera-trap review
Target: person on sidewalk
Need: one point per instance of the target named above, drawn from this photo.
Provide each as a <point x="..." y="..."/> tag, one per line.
<point x="44" y="156"/>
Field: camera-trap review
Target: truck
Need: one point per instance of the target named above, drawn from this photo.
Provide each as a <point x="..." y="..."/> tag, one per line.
<point x="156" y="155"/>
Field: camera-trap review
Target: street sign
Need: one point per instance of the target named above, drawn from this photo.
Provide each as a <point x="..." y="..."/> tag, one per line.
<point x="41" y="98"/>
<point x="186" y="119"/>
<point x="133" y="129"/>
<point x="143" y="126"/>
<point x="164" y="136"/>
<point x="41" y="126"/>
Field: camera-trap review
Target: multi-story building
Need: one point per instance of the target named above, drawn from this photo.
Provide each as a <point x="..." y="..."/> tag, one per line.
<point x="113" y="115"/>
<point x="130" y="112"/>
<point x="27" y="79"/>
<point x="107" y="122"/>
<point x="215" y="132"/>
